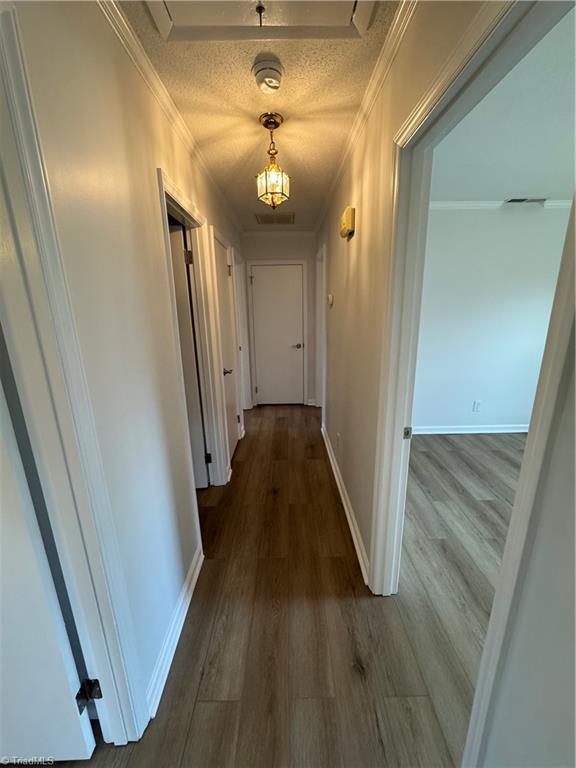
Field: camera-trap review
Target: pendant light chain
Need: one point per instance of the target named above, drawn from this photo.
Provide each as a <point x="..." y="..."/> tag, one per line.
<point x="272" y="151"/>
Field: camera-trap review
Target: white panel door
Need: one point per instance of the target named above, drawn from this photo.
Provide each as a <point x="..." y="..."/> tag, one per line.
<point x="278" y="327"/>
<point x="183" y="286"/>
<point x="229" y="342"/>
<point x="39" y="716"/>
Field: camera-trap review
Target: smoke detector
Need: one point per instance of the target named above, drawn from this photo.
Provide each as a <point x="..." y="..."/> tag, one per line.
<point x="267" y="71"/>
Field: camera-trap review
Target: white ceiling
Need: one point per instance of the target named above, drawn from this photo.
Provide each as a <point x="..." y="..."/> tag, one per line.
<point x="519" y="141"/>
<point x="212" y="85"/>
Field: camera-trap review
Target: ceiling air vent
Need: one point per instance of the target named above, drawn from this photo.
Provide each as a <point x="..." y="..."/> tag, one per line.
<point x="539" y="200"/>
<point x="275" y="218"/>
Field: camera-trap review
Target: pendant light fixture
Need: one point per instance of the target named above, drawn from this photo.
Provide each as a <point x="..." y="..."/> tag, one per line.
<point x="272" y="183"/>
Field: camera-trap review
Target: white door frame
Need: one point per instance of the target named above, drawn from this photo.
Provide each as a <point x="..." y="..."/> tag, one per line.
<point x="275" y="263"/>
<point x="41" y="336"/>
<point x="209" y="361"/>
<point x="240" y="302"/>
<point x="321" y="327"/>
<point x="210" y="354"/>
<point x="501" y="36"/>
<point x="218" y="365"/>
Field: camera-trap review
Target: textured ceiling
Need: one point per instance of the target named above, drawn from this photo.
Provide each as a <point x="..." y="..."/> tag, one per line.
<point x="212" y="86"/>
<point x="519" y="140"/>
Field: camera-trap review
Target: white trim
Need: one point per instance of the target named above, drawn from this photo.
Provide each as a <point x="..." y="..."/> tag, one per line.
<point x="305" y="311"/>
<point x="225" y="458"/>
<point x="348" y="509"/>
<point x="472" y="429"/>
<point x="189" y="209"/>
<point x="484" y="60"/>
<point x="522" y="523"/>
<point x="402" y="18"/>
<point x="236" y="260"/>
<point x="321" y="327"/>
<point x="169" y="644"/>
<point x="135" y="50"/>
<point x="412" y="175"/>
<point x="490" y="205"/>
<point x="562" y="204"/>
<point x="241" y="304"/>
<point x="465" y="205"/>
<point x="482" y="26"/>
<point x="193" y="219"/>
<point x="311" y="402"/>
<point x="86" y="538"/>
<point x="196" y="225"/>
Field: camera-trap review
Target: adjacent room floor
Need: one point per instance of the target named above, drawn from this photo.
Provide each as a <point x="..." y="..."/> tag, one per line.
<point x="286" y="658"/>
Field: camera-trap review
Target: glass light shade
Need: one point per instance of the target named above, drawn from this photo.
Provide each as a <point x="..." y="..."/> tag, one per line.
<point x="273" y="184"/>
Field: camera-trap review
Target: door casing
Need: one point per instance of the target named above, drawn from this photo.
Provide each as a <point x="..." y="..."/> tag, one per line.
<point x="231" y="297"/>
<point x="502" y="35"/>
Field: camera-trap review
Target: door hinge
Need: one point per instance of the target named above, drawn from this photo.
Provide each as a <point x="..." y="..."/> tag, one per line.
<point x="89" y="691"/>
<point x="238" y="418"/>
<point x="251" y="279"/>
<point x="229" y="270"/>
<point x="208" y="458"/>
<point x="407" y="433"/>
<point x="188" y="257"/>
<point x="255" y="389"/>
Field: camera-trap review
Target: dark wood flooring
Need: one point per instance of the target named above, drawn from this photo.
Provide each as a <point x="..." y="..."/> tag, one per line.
<point x="286" y="659"/>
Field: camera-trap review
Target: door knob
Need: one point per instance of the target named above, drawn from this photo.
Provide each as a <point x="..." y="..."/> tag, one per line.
<point x="297" y="346"/>
<point x="227" y="371"/>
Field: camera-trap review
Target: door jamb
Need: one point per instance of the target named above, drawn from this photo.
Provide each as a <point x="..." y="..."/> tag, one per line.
<point x="305" y="304"/>
<point x="195" y="223"/>
<point x="321" y="330"/>
<point x="200" y="235"/>
<point x="241" y="310"/>
<point x="471" y="73"/>
<point x="225" y="459"/>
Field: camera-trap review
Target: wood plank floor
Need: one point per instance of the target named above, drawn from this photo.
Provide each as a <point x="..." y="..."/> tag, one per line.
<point x="286" y="659"/>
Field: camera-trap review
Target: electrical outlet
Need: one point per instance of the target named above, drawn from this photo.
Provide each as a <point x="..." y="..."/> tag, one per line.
<point x="476" y="406"/>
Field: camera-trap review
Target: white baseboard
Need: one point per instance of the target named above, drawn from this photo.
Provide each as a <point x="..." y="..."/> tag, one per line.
<point x="475" y="429"/>
<point x="347" y="504"/>
<point x="164" y="661"/>
<point x="312" y="402"/>
<point x="242" y="432"/>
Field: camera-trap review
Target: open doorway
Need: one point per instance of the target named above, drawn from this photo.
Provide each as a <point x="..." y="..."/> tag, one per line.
<point x="187" y="310"/>
<point x="500" y="201"/>
<point x="480" y="242"/>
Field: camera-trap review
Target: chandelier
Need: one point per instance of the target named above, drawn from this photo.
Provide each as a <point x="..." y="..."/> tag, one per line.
<point x="272" y="183"/>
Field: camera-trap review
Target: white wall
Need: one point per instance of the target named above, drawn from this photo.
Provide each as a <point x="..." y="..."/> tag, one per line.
<point x="103" y="136"/>
<point x="291" y="245"/>
<point x="532" y="718"/>
<point x="489" y="282"/>
<point x="359" y="271"/>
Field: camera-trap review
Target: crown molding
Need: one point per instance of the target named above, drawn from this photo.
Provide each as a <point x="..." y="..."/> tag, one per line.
<point x="135" y="50"/>
<point x="465" y="205"/>
<point x="558" y="204"/>
<point x="491" y="205"/>
<point x="402" y="18"/>
<point x="484" y="23"/>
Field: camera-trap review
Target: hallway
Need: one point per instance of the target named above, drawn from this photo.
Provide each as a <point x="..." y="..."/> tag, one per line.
<point x="286" y="658"/>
